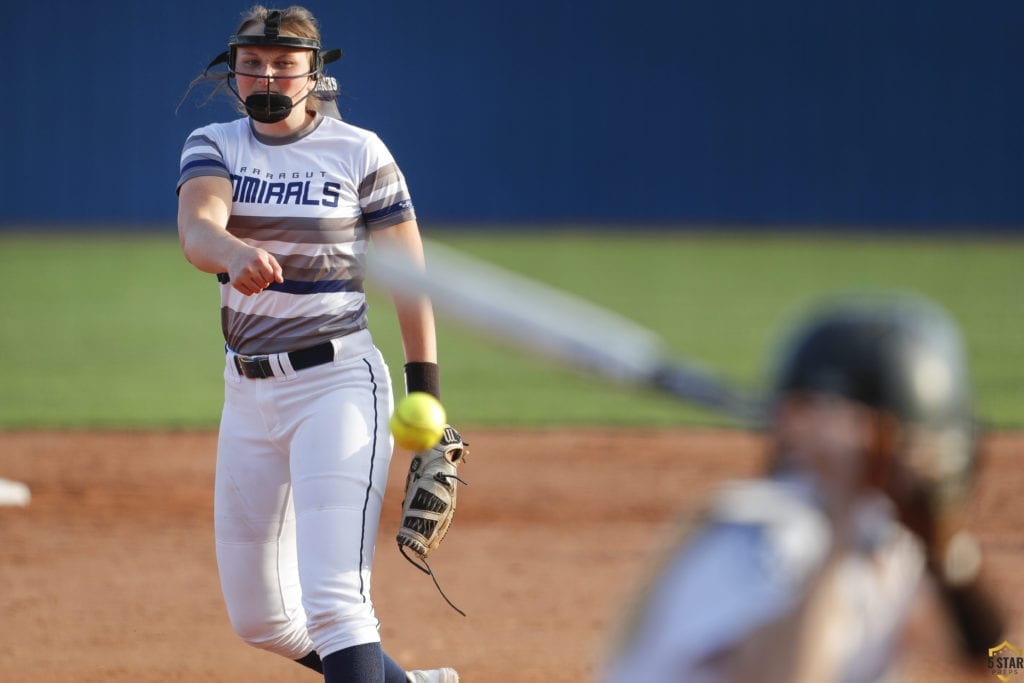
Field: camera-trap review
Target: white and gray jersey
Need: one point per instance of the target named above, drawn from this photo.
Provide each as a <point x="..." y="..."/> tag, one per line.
<point x="750" y="568"/>
<point x="309" y="199"/>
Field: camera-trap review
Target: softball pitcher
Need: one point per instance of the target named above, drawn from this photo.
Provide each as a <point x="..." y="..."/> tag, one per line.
<point x="280" y="205"/>
<point x="813" y="573"/>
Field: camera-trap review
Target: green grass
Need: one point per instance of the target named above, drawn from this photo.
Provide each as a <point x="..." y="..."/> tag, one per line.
<point x="119" y="331"/>
<point x="106" y="331"/>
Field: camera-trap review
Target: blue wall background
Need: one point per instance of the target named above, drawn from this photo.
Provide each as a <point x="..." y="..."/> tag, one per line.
<point x="903" y="113"/>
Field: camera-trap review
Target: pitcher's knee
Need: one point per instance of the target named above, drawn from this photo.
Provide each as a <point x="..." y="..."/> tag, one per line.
<point x="288" y="639"/>
<point x="335" y="630"/>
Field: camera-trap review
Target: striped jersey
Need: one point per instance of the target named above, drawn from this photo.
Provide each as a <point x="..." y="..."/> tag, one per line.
<point x="309" y="199"/>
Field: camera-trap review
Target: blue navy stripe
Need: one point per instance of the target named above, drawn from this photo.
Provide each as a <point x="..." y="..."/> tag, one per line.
<point x="397" y="207"/>
<point x="369" y="485"/>
<point x="320" y="287"/>
<point x="203" y="162"/>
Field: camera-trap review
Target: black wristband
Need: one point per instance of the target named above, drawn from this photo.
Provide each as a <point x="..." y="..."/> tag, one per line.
<point x="423" y="376"/>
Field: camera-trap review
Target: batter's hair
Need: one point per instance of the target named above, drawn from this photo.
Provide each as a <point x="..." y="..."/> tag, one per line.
<point x="295" y="21"/>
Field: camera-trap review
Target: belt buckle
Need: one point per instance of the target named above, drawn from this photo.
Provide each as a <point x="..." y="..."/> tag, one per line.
<point x="254" y="367"/>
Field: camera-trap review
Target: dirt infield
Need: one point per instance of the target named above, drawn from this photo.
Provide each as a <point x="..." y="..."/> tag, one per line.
<point x="109" y="574"/>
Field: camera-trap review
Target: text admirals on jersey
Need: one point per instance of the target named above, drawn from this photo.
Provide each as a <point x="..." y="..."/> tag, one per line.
<point x="250" y="190"/>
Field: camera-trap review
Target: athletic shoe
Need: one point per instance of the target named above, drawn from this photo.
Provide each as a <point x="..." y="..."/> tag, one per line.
<point x="445" y="675"/>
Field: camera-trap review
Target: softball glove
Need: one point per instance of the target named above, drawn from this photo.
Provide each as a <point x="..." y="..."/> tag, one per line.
<point x="431" y="489"/>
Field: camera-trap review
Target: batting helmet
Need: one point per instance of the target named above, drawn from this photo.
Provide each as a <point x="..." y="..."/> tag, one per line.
<point x="899" y="354"/>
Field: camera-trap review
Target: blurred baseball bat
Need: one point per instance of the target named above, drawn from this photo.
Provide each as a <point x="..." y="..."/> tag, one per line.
<point x="556" y="325"/>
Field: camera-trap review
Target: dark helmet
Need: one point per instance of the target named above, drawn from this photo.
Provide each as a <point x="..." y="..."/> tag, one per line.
<point x="899" y="354"/>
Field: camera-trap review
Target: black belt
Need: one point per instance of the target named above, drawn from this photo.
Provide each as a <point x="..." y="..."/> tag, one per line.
<point x="260" y="367"/>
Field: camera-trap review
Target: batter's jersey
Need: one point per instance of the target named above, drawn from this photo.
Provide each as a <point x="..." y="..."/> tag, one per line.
<point x="751" y="566"/>
<point x="309" y="199"/>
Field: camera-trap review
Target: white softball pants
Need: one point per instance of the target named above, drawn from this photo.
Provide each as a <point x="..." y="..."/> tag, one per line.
<point x="302" y="463"/>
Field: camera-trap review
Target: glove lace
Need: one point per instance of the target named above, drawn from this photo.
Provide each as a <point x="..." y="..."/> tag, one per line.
<point x="441" y="475"/>
<point x="425" y="568"/>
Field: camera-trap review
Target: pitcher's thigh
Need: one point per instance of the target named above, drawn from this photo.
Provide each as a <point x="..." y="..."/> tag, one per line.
<point x="340" y="459"/>
<point x="254" y="524"/>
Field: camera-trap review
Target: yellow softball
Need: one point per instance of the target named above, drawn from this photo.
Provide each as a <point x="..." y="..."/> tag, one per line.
<point x="418" y="421"/>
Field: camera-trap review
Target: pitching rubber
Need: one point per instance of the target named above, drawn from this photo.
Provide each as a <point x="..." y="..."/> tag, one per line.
<point x="14" y="493"/>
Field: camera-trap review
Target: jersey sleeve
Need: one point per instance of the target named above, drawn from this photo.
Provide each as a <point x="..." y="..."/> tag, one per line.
<point x="383" y="195"/>
<point x="201" y="156"/>
<point x="713" y="594"/>
<point x="745" y="569"/>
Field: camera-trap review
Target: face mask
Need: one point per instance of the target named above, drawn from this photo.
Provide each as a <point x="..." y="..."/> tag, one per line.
<point x="269" y="107"/>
